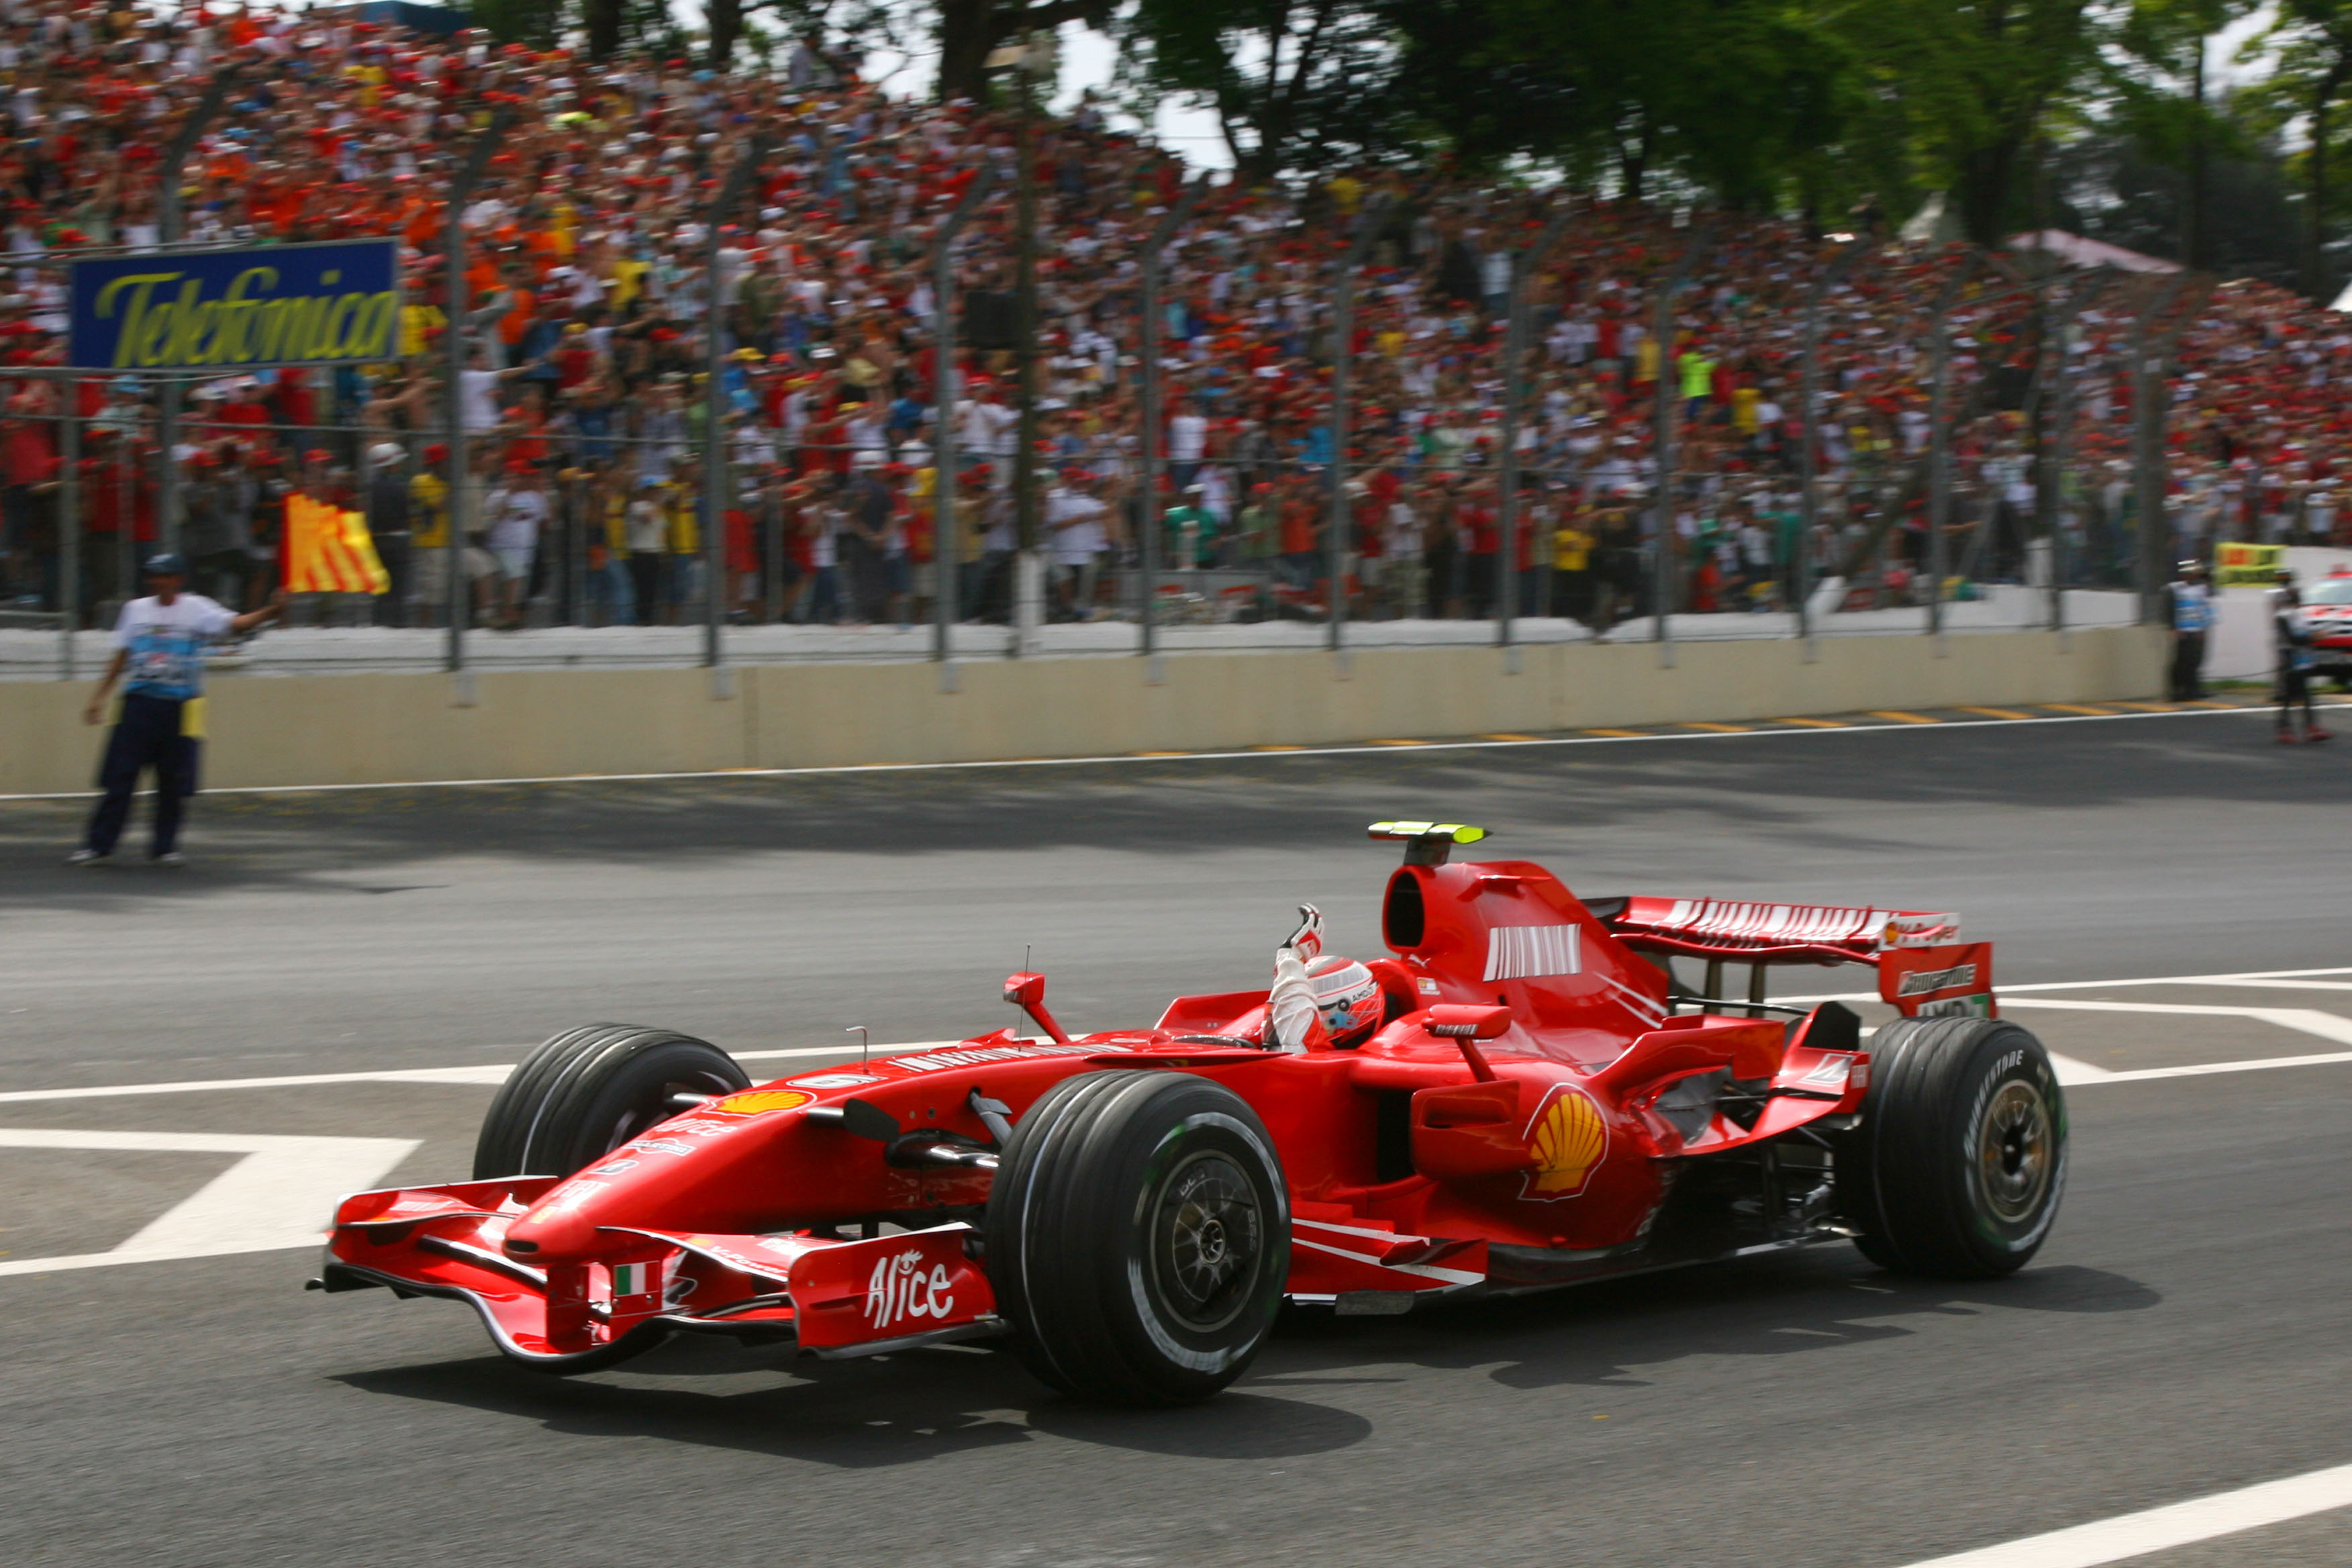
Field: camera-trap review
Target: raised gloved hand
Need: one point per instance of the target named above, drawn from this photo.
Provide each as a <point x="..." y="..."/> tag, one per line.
<point x="1308" y="940"/>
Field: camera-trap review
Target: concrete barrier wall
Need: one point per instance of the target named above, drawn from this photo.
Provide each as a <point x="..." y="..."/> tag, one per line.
<point x="372" y="729"/>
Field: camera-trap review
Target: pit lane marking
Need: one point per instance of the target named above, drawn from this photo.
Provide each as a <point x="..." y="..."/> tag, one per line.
<point x="1375" y="748"/>
<point x="272" y="1198"/>
<point x="2160" y="1529"/>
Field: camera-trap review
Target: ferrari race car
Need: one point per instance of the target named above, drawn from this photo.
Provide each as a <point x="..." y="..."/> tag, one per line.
<point x="1536" y="1100"/>
<point x="2328" y="606"/>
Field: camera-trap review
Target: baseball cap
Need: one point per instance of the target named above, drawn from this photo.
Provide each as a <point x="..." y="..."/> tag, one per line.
<point x="163" y="564"/>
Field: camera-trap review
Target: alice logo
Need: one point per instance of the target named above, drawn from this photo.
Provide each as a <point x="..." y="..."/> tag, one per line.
<point x="901" y="1289"/>
<point x="1566" y="1140"/>
<point x="165" y="326"/>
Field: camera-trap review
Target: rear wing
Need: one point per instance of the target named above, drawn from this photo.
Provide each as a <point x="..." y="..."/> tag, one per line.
<point x="1922" y="971"/>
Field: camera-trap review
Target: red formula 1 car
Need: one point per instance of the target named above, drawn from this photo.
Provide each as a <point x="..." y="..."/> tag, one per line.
<point x="2328" y="607"/>
<point x="1535" y="1100"/>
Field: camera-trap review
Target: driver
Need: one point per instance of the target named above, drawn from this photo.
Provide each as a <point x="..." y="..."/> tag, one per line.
<point x="1318" y="1000"/>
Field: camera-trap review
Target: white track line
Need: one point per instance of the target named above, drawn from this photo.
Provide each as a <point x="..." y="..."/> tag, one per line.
<point x="2206" y="1070"/>
<point x="2248" y="977"/>
<point x="1419" y="748"/>
<point x="2160" y="1529"/>
<point x="490" y="1073"/>
<point x="2303" y="1020"/>
<point x="2283" y="979"/>
<point x="2286" y="984"/>
<point x="270" y="1199"/>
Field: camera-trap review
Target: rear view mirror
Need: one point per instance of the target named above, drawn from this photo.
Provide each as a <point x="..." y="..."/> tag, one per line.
<point x="1457" y="1021"/>
<point x="1026" y="990"/>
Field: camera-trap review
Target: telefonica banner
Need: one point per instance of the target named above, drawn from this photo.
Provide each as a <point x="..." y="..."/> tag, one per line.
<point x="229" y="309"/>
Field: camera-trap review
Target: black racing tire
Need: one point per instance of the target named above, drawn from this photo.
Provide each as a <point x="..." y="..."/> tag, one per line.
<point x="589" y="1091"/>
<point x="1959" y="1162"/>
<point x="1137" y="1236"/>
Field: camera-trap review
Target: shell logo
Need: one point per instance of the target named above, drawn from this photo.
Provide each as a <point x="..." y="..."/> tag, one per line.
<point x="1567" y="1140"/>
<point x="758" y="1101"/>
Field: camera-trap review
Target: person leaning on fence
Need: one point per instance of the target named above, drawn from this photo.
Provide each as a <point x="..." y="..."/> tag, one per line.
<point x="159" y="645"/>
<point x="648" y="532"/>
<point x="388" y="518"/>
<point x="2192" y="617"/>
<point x="428" y="539"/>
<point x="2292" y="631"/>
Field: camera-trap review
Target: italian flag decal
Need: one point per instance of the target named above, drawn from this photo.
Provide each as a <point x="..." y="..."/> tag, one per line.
<point x="633" y="1278"/>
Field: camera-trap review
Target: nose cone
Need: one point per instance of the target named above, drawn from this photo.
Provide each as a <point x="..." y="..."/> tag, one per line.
<point x="550" y="1239"/>
<point x="561" y="1228"/>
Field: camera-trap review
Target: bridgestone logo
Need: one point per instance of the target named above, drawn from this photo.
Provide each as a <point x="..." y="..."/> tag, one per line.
<point x="1919" y="981"/>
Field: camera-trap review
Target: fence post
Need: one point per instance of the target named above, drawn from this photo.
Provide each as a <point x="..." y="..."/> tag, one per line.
<point x="947" y="546"/>
<point x="168" y="219"/>
<point x="2058" y="446"/>
<point x="1148" y="357"/>
<point x="125" y="454"/>
<point x="581" y="533"/>
<point x="1343" y="354"/>
<point x="69" y="526"/>
<point x="2150" y="353"/>
<point x="455" y="303"/>
<point x="1940" y="441"/>
<point x="1515" y="355"/>
<point x="1665" y="397"/>
<point x="1809" y="459"/>
<point x="714" y="401"/>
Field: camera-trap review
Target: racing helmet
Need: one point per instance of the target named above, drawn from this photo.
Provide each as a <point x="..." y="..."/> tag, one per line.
<point x="1348" y="999"/>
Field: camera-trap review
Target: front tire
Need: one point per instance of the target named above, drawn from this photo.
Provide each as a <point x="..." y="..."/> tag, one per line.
<point x="1957" y="1169"/>
<point x="1139" y="1236"/>
<point x="587" y="1091"/>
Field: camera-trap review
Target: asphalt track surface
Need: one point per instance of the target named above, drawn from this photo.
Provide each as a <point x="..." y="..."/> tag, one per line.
<point x="2185" y="1331"/>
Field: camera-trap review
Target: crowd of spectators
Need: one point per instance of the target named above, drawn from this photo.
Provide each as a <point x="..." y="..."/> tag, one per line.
<point x="587" y="304"/>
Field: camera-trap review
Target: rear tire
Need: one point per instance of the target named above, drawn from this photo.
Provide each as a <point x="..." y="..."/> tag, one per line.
<point x="589" y="1091"/>
<point x="1139" y="1236"/>
<point x="1959" y="1164"/>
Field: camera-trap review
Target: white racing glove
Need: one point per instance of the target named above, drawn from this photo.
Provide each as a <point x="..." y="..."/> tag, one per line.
<point x="1290" y="1006"/>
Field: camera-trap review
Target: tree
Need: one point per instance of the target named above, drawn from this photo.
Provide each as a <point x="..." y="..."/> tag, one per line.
<point x="1293" y="83"/>
<point x="1969" y="82"/>
<point x="1727" y="95"/>
<point x="534" y="21"/>
<point x="971" y="30"/>
<point x="2313" y="41"/>
<point x="2160" y="102"/>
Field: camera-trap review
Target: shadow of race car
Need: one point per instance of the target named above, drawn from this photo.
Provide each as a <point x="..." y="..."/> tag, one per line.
<point x="1539" y="1100"/>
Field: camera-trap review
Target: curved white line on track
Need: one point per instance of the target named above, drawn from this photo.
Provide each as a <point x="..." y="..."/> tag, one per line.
<point x="1417" y="748"/>
<point x="2161" y="1529"/>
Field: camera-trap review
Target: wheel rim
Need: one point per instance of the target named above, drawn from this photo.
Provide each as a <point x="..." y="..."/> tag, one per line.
<point x="1207" y="1233"/>
<point x="2014" y="1149"/>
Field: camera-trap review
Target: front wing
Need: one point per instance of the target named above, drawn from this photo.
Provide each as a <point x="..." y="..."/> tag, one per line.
<point x="834" y="1297"/>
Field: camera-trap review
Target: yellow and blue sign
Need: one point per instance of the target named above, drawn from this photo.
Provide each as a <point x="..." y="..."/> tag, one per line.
<point x="2247" y="565"/>
<point x="222" y="311"/>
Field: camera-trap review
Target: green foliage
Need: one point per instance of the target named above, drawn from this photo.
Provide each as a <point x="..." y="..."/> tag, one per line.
<point x="1966" y="85"/>
<point x="539" y="23"/>
<point x="1295" y="85"/>
<point x="1722" y="94"/>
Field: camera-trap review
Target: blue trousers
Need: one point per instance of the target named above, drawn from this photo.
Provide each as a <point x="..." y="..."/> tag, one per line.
<point x="147" y="737"/>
